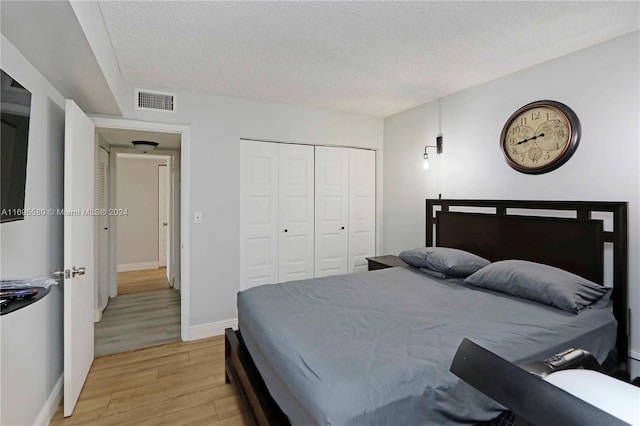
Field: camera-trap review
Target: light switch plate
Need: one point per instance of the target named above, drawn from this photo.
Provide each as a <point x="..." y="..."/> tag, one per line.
<point x="197" y="217"/>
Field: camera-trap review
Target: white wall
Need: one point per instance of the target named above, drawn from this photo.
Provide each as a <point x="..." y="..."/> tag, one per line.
<point x="30" y="248"/>
<point x="138" y="193"/>
<point x="217" y="124"/>
<point x="601" y="84"/>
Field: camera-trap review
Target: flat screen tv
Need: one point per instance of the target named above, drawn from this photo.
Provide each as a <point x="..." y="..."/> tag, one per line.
<point x="15" y="113"/>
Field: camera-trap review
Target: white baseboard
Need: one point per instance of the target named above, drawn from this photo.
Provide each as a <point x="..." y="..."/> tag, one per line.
<point x="51" y="404"/>
<point x="635" y="355"/>
<point x="125" y="267"/>
<point x="203" y="331"/>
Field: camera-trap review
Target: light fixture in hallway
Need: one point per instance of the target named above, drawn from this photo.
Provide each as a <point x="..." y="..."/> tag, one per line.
<point x="145" y="146"/>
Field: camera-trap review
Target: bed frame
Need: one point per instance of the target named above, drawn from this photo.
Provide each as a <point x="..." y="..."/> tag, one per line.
<point x="496" y="230"/>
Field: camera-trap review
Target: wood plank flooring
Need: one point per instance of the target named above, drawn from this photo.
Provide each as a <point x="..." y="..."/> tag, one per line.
<point x="174" y="384"/>
<point x="142" y="281"/>
<point x="139" y="320"/>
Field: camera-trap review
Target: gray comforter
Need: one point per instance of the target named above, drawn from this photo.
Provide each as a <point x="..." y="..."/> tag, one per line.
<point x="375" y="347"/>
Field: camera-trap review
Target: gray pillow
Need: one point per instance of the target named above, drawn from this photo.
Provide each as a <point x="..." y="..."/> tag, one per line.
<point x="449" y="261"/>
<point x="541" y="283"/>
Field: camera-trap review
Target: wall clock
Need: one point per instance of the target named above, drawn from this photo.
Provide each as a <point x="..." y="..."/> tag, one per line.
<point x="540" y="137"/>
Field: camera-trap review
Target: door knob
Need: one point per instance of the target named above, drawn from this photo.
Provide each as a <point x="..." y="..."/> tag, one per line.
<point x="286" y="230"/>
<point x="164" y="223"/>
<point x="342" y="227"/>
<point x="78" y="271"/>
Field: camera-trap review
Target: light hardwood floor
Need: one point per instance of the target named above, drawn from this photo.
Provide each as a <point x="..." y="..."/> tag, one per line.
<point x="139" y="320"/>
<point x="142" y="281"/>
<point x="174" y="384"/>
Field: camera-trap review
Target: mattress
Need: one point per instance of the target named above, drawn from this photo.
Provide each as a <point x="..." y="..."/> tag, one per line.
<point x="375" y="347"/>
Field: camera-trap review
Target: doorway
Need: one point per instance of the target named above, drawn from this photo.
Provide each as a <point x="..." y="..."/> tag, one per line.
<point x="140" y="296"/>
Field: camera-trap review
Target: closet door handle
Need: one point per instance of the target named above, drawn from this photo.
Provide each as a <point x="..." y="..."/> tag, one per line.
<point x="286" y="230"/>
<point x="342" y="227"/>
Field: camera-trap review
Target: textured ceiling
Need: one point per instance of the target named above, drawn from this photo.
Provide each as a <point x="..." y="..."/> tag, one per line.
<point x="375" y="58"/>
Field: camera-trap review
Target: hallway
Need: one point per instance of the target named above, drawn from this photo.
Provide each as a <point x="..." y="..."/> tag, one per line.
<point x="145" y="313"/>
<point x="142" y="281"/>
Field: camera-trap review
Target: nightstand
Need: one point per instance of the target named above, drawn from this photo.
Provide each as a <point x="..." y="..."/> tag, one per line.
<point x="383" y="262"/>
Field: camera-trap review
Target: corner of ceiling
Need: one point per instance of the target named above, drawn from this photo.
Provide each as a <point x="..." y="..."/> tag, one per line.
<point x="91" y="21"/>
<point x="57" y="39"/>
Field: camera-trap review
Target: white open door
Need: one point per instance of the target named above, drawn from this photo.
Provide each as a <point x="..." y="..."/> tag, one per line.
<point x="78" y="252"/>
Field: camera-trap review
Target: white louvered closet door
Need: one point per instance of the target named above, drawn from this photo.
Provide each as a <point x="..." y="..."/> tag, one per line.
<point x="258" y="213"/>
<point x="295" y="211"/>
<point x="102" y="224"/>
<point x="332" y="210"/>
<point x="362" y="208"/>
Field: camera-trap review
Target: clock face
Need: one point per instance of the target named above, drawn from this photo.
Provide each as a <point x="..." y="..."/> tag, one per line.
<point x="540" y="136"/>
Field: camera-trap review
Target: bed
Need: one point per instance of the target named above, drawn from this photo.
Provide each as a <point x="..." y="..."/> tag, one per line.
<point x="375" y="347"/>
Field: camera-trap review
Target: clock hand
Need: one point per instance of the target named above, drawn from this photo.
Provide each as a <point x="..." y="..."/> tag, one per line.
<point x="530" y="139"/>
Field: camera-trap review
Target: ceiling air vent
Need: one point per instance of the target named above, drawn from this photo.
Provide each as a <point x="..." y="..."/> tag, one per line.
<point x="155" y="101"/>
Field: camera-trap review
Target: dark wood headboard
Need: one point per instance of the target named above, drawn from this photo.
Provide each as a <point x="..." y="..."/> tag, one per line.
<point x="576" y="245"/>
<point x="501" y="229"/>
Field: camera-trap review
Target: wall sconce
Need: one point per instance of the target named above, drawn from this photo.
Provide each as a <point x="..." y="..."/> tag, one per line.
<point x="145" y="146"/>
<point x="437" y="146"/>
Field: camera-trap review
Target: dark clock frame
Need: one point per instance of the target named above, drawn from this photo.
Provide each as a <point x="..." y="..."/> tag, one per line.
<point x="574" y="140"/>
